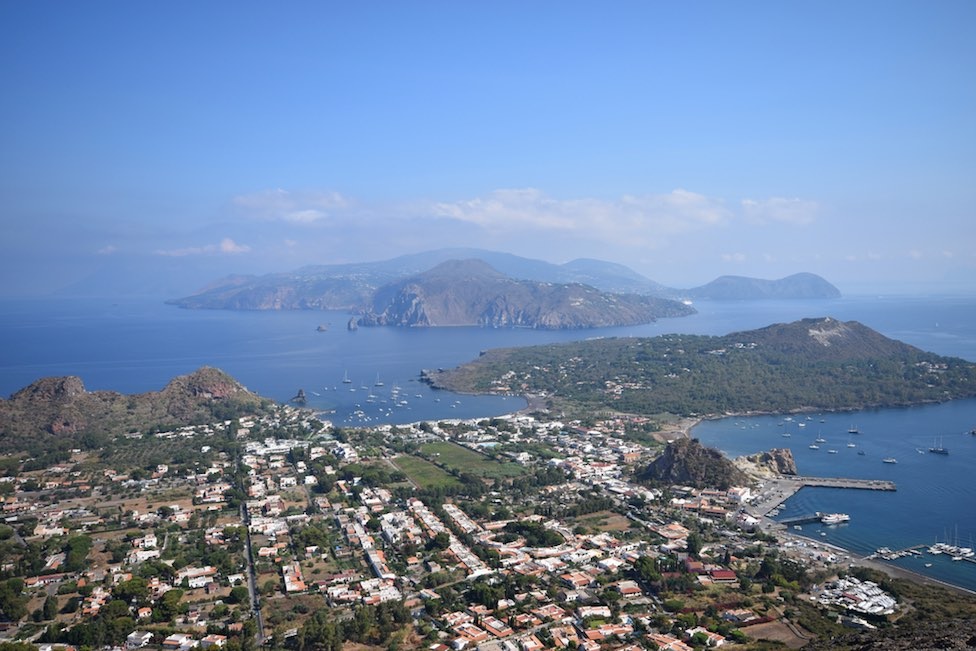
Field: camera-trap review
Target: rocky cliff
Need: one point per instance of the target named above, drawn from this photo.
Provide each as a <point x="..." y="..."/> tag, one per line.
<point x="778" y="461"/>
<point x="686" y="462"/>
<point x="470" y="292"/>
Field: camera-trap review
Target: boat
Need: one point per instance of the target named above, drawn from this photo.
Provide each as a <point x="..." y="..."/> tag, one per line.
<point x="345" y="378"/>
<point x="852" y="444"/>
<point x="860" y="453"/>
<point x="786" y="434"/>
<point x="889" y="460"/>
<point x="820" y="439"/>
<point x="853" y="430"/>
<point x="928" y="565"/>
<point x="938" y="449"/>
<point x="831" y="451"/>
<point x="378" y="382"/>
<point x="813" y="446"/>
<point x="834" y="518"/>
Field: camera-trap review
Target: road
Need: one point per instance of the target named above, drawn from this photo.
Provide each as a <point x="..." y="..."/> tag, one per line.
<point x="252" y="580"/>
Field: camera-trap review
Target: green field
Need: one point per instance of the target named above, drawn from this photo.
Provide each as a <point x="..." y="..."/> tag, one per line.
<point x="424" y="473"/>
<point x="467" y="461"/>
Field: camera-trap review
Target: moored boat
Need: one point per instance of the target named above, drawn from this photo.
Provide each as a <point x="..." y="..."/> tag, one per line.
<point x="834" y="518"/>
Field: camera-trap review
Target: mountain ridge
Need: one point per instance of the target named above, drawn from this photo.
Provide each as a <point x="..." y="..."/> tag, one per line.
<point x="351" y="286"/>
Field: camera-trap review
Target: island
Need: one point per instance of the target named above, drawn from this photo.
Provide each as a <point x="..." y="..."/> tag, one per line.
<point x="356" y="287"/>
<point x="472" y="293"/>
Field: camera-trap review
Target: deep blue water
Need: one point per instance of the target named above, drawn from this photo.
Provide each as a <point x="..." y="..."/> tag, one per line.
<point x="135" y="346"/>
<point x="936" y="495"/>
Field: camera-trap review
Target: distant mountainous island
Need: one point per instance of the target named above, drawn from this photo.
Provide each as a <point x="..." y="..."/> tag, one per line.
<point x="357" y="287"/>
<point x="470" y="292"/>
<point x="801" y="285"/>
<point x="58" y="413"/>
<point x="812" y="364"/>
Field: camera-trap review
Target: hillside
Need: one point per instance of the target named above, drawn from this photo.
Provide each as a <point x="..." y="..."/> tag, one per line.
<point x="470" y="292"/>
<point x="801" y="285"/>
<point x="59" y="413"/>
<point x="817" y="364"/>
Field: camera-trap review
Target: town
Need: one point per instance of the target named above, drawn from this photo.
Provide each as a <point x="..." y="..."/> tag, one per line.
<point x="504" y="534"/>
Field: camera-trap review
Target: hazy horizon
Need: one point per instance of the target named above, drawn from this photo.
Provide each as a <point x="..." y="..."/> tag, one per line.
<point x="189" y="141"/>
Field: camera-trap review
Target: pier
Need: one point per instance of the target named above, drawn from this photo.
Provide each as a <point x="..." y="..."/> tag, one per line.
<point x="838" y="482"/>
<point x="777" y="491"/>
<point x="803" y="519"/>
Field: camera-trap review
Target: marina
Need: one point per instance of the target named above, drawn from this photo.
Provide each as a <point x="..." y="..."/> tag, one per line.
<point x="932" y="497"/>
<point x="776" y="491"/>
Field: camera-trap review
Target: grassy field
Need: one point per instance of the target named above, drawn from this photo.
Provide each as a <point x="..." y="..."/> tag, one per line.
<point x="603" y="521"/>
<point x="424" y="473"/>
<point x="467" y="461"/>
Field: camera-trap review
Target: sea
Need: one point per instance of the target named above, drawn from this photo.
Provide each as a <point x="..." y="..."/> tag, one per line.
<point x="371" y="376"/>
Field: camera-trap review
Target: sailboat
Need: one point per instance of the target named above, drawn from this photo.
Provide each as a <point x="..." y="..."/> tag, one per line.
<point x="853" y="430"/>
<point x="378" y="382"/>
<point x="345" y="378"/>
<point x="938" y="449"/>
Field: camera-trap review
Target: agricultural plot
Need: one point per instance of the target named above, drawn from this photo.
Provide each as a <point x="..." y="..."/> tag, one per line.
<point x="604" y="521"/>
<point x="423" y="473"/>
<point x="455" y="457"/>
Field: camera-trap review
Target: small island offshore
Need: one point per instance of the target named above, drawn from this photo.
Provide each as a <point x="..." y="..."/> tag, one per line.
<point x="204" y="516"/>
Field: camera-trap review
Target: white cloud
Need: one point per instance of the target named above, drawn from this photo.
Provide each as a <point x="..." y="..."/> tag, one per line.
<point x="778" y="209"/>
<point x="734" y="257"/>
<point x="225" y="246"/>
<point x="296" y="208"/>
<point x="107" y="250"/>
<point x="631" y="219"/>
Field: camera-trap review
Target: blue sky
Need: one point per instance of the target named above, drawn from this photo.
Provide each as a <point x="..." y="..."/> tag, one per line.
<point x="684" y="139"/>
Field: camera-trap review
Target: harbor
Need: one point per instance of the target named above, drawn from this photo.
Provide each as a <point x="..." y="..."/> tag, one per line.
<point x="776" y="491"/>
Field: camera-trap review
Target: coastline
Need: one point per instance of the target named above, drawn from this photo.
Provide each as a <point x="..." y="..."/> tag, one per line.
<point x="683" y="427"/>
<point x="897" y="572"/>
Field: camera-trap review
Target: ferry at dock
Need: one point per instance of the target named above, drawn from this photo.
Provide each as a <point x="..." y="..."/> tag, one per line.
<point x="834" y="518"/>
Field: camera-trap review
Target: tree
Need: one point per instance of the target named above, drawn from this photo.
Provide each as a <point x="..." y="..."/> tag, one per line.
<point x="50" y="609"/>
<point x="441" y="541"/>
<point x="168" y="606"/>
<point x="239" y="595"/>
<point x="135" y="590"/>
